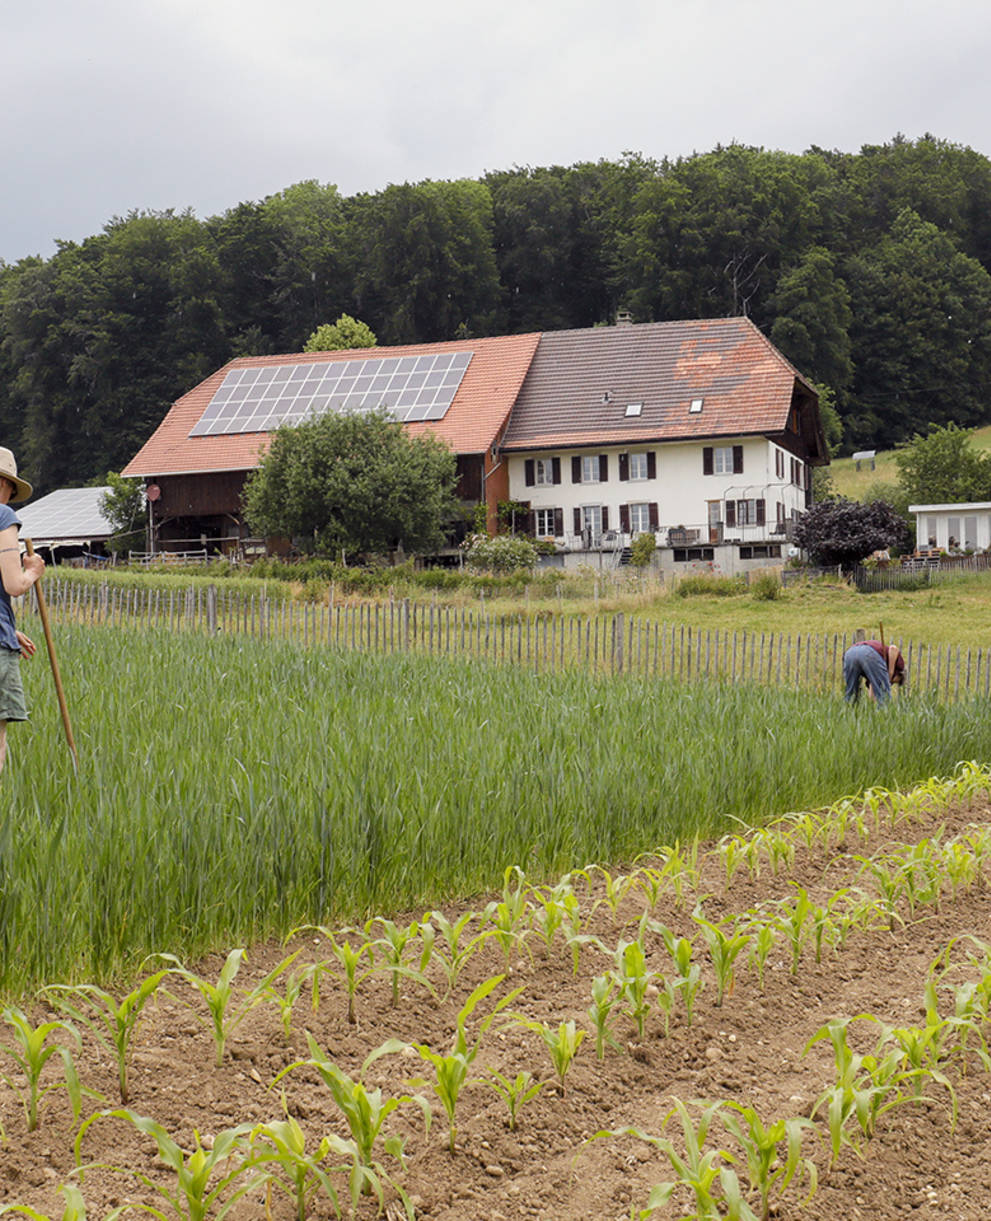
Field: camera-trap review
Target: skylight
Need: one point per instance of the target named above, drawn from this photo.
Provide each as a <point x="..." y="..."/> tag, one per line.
<point x="634" y="408"/>
<point x="696" y="406"/>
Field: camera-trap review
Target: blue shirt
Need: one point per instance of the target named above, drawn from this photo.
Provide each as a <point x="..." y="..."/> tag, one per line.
<point x="8" y="634"/>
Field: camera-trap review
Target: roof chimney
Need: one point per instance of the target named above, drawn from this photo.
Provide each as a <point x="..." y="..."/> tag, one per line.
<point x="624" y="318"/>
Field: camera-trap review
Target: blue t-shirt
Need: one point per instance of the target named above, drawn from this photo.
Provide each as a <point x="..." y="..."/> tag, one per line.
<point x="8" y="634"/>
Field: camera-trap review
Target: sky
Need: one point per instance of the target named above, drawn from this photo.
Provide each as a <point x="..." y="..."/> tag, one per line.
<point x="111" y="106"/>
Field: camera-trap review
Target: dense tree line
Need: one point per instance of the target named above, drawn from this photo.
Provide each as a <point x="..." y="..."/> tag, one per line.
<point x="869" y="270"/>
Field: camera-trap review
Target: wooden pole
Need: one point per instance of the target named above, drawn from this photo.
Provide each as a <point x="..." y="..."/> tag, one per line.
<point x="50" y="643"/>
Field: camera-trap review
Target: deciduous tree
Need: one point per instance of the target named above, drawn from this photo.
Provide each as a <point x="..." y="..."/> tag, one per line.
<point x="844" y="531"/>
<point x="357" y="483"/>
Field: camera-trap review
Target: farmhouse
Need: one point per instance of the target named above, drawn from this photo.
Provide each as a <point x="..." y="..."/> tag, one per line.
<point x="697" y="432"/>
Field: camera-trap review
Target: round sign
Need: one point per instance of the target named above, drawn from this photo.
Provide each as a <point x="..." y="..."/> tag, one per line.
<point x="153" y="491"/>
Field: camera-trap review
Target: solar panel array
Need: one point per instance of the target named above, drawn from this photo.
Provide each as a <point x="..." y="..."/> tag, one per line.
<point x="262" y="398"/>
<point x="66" y="513"/>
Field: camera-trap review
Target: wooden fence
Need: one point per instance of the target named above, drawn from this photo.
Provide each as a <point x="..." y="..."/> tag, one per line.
<point x="605" y="643"/>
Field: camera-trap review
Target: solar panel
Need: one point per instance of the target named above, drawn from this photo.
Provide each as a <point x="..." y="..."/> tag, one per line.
<point x="262" y="399"/>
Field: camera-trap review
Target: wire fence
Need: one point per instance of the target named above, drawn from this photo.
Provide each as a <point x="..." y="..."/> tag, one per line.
<point x="609" y="643"/>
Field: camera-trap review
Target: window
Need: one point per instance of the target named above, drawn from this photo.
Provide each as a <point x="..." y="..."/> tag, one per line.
<point x="761" y="551"/>
<point x="547" y="523"/>
<point x="745" y="512"/>
<point x="634" y="408"/>
<point x="683" y="555"/>
<point x="695" y="406"/>
<point x="797" y="472"/>
<point x="542" y="472"/>
<point x="640" y="518"/>
<point x="638" y="466"/>
<point x="589" y="468"/>
<point x="722" y="460"/>
<point x="779" y="463"/>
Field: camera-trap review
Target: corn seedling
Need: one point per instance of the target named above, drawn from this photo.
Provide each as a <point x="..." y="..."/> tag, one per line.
<point x="604" y="998"/>
<point x="763" y="933"/>
<point x="681" y="869"/>
<point x="687" y="980"/>
<point x="285" y="998"/>
<point x="724" y="949"/>
<point x="866" y="1086"/>
<point x="451" y="1070"/>
<point x="346" y="962"/>
<point x="632" y="979"/>
<point x="767" y="1171"/>
<point x="204" y="1179"/>
<point x="516" y="1093"/>
<point x="555" y="909"/>
<point x="365" y="1112"/>
<point x="704" y="1172"/>
<point x="281" y="1146"/>
<point x="113" y="1022"/>
<point x="393" y="944"/>
<point x="795" y="921"/>
<point x="563" y="1044"/>
<point x="732" y="851"/>
<point x="506" y="918"/>
<point x="449" y="952"/>
<point x="226" y="1013"/>
<point x="616" y="888"/>
<point x="31" y="1051"/>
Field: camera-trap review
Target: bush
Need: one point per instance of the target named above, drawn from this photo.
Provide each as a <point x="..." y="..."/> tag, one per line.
<point x="503" y="554"/>
<point x="720" y="587"/>
<point x="642" y="551"/>
<point x="765" y="587"/>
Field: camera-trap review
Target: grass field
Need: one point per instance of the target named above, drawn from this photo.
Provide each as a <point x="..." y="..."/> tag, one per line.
<point x="848" y="481"/>
<point x="230" y="789"/>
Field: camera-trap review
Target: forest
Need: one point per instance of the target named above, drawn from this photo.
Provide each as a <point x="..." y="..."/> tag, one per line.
<point x="871" y="271"/>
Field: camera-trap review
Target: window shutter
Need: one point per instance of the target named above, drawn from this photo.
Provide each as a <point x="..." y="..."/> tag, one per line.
<point x="624" y="518"/>
<point x="653" y="515"/>
<point x="528" y="472"/>
<point x="556" y="469"/>
<point x="624" y="467"/>
<point x="558" y="520"/>
<point x="651" y="464"/>
<point x="603" y="467"/>
<point x="731" y="513"/>
<point x="706" y="459"/>
<point x="760" y="513"/>
<point x="737" y="459"/>
<point x="605" y="519"/>
<point x="576" y="468"/>
<point x="578" y="521"/>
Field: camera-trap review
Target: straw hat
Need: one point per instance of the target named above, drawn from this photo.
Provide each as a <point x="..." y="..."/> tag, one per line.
<point x="8" y="470"/>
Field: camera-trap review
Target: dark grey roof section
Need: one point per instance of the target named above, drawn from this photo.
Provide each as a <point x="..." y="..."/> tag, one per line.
<point x="580" y="384"/>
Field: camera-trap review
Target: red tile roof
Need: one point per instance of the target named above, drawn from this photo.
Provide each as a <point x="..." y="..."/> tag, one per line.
<point x="472" y="423"/>
<point x="580" y="383"/>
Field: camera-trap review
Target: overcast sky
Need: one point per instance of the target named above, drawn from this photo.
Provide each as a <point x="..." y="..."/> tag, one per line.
<point x="112" y="105"/>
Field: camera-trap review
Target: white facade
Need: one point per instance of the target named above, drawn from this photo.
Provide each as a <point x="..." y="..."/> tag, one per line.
<point x="953" y="528"/>
<point x="728" y="503"/>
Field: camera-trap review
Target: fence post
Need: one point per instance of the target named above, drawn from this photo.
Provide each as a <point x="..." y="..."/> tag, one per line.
<point x="617" y="644"/>
<point x="211" y="609"/>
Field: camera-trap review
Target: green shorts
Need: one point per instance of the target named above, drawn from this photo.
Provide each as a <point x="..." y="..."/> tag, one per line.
<point x="12" y="705"/>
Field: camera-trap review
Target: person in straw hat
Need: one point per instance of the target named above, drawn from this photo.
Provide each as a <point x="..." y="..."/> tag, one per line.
<point x="17" y="574"/>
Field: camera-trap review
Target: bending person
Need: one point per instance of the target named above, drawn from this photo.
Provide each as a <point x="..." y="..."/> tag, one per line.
<point x="878" y="665"/>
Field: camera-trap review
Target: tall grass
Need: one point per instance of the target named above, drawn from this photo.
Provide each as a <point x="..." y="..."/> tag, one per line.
<point x="230" y="789"/>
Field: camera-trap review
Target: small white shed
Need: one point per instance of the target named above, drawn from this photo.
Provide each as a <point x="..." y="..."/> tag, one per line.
<point x="958" y="527"/>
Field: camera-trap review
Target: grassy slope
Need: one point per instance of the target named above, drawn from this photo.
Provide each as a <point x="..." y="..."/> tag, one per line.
<point x="848" y="481"/>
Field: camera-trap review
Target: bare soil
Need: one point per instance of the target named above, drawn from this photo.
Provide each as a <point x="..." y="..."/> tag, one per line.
<point x="752" y="1050"/>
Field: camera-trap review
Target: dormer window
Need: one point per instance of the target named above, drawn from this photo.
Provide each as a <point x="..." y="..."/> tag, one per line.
<point x="695" y="407"/>
<point x="634" y="408"/>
